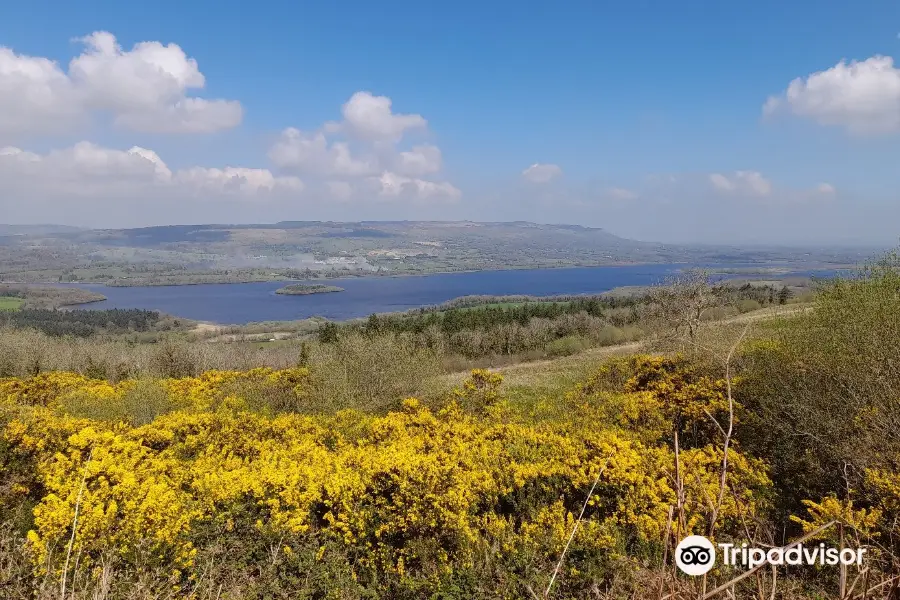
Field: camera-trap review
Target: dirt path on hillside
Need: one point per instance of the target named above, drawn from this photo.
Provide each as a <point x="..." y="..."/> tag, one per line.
<point x="767" y="313"/>
<point x="205" y="328"/>
<point x="631" y="347"/>
<point x="590" y="353"/>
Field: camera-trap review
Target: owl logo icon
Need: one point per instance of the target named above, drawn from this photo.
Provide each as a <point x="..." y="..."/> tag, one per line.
<point x="695" y="555"/>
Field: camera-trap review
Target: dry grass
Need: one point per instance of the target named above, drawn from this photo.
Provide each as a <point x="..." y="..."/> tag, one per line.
<point x="28" y="352"/>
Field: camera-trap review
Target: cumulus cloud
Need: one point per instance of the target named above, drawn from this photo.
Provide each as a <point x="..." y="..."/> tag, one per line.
<point x="861" y="96"/>
<point x="721" y="182"/>
<point x="87" y="169"/>
<point x="371" y="118"/>
<point x="541" y="173"/>
<point x="362" y="154"/>
<point x="142" y="89"/>
<point x="235" y="179"/>
<point x="35" y="95"/>
<point x="752" y="184"/>
<point x="742" y="182"/>
<point x="313" y="153"/>
<point x="398" y="186"/>
<point x="421" y="160"/>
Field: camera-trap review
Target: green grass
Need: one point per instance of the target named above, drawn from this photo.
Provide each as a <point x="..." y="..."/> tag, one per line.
<point x="10" y="303"/>
<point x="534" y="387"/>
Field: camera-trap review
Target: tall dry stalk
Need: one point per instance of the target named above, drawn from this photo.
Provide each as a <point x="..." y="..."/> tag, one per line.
<point x="65" y="573"/>
<point x="727" y="433"/>
<point x="562" y="556"/>
<point x="732" y="582"/>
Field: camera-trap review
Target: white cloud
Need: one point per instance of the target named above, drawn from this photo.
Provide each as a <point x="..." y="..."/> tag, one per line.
<point x="421" y="160"/>
<point x="721" y="182"/>
<point x="742" y="182"/>
<point x="11" y="153"/>
<point x="236" y="179"/>
<point x="143" y="89"/>
<point x="861" y="96"/>
<point x="365" y="158"/>
<point x="87" y="169"/>
<point x="541" y="173"/>
<point x="82" y="167"/>
<point x="35" y="95"/>
<point x="370" y="118"/>
<point x="313" y="153"/>
<point x="752" y="184"/>
<point x="159" y="167"/>
<point x="826" y="188"/>
<point x="394" y="185"/>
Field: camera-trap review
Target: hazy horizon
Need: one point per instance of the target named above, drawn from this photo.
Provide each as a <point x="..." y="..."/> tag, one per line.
<point x="788" y="244"/>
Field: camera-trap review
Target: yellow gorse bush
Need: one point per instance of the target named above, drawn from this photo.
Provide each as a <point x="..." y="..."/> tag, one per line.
<point x="415" y="491"/>
<point x="47" y="388"/>
<point x="861" y="520"/>
<point x="194" y="393"/>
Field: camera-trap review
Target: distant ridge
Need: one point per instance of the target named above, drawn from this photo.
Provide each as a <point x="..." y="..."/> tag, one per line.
<point x="38" y="229"/>
<point x="296" y="247"/>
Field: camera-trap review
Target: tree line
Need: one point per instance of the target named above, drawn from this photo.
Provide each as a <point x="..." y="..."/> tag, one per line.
<point x="82" y="323"/>
<point x="485" y="325"/>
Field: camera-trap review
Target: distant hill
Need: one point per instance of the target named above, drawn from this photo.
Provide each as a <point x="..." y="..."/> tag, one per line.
<point x="211" y="253"/>
<point x="411" y="230"/>
<point x="37" y="229"/>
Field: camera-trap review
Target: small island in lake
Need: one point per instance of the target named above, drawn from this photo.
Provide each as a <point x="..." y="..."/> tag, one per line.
<point x="44" y="297"/>
<point x="302" y="289"/>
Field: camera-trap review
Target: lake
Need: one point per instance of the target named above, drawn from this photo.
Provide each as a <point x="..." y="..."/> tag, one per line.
<point x="241" y="303"/>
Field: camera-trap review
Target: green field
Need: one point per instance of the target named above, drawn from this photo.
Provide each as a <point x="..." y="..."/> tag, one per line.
<point x="10" y="303"/>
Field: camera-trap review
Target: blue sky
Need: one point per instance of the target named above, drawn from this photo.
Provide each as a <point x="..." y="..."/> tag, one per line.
<point x="616" y="95"/>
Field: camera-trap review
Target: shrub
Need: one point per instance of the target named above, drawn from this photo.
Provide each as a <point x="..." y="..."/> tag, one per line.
<point x="822" y="389"/>
<point x="174" y="360"/>
<point x="365" y="372"/>
<point x="568" y="345"/>
<point x="139" y="403"/>
<point x="405" y="504"/>
<point x="749" y="305"/>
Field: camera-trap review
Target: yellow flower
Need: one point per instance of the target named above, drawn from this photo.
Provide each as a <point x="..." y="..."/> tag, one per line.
<point x="404" y="489"/>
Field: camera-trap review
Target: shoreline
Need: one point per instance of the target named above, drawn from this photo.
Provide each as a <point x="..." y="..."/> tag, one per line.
<point x="77" y="304"/>
<point x="623" y="291"/>
<point x="762" y="270"/>
<point x="373" y="275"/>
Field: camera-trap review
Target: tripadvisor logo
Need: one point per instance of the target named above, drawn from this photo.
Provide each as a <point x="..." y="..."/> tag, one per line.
<point x="695" y="555"/>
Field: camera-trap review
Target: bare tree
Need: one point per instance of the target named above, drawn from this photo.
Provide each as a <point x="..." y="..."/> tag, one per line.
<point x="681" y="302"/>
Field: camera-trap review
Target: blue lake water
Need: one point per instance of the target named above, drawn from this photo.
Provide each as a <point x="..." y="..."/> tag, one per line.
<point x="240" y="303"/>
